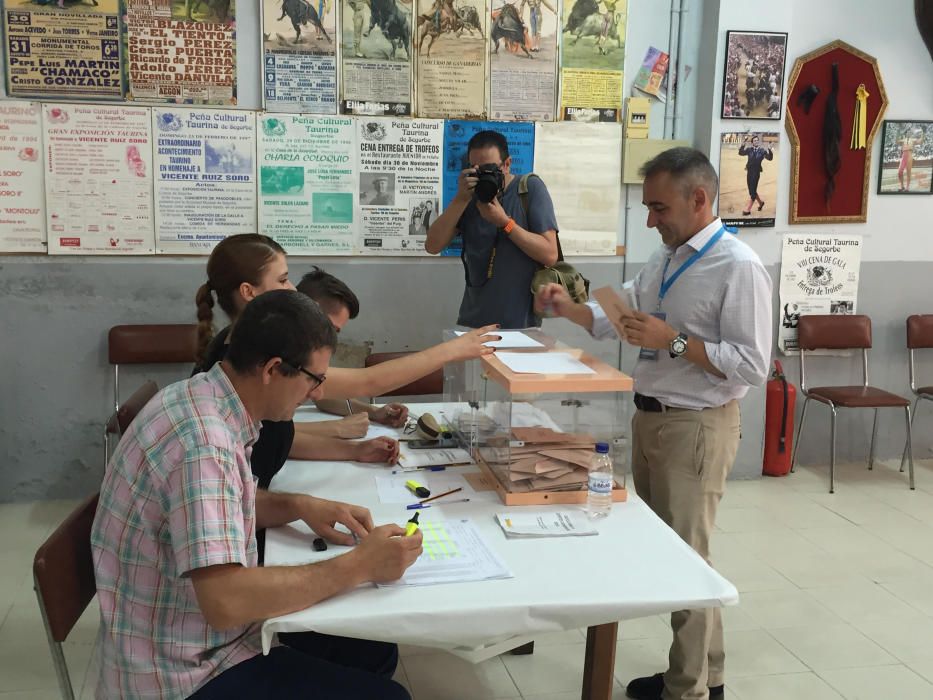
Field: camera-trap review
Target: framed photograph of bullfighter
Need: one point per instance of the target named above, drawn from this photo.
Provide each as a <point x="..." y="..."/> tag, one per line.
<point x="753" y="75"/>
<point x="906" y="161"/>
<point x="748" y="176"/>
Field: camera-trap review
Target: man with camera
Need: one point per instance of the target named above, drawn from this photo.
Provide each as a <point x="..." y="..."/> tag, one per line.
<point x="505" y="239"/>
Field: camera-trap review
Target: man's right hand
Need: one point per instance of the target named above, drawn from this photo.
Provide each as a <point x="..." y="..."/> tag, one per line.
<point x="471" y="345"/>
<point x="465" y="184"/>
<point x="552" y="299"/>
<point x="385" y="553"/>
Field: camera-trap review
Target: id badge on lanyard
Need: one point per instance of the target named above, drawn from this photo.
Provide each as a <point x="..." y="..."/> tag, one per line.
<point x="666" y="284"/>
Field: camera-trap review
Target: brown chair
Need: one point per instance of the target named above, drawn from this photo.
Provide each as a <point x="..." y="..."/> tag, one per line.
<point x="63" y="575"/>
<point x="146" y="344"/>
<point x="831" y="332"/>
<point x="432" y="383"/>
<point x="120" y="419"/>
<point x="919" y="337"/>
<point x="149" y="344"/>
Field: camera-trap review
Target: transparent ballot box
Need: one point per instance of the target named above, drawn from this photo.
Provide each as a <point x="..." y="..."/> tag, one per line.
<point x="531" y="427"/>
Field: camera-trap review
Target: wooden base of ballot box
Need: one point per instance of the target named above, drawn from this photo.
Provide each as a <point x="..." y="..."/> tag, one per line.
<point x="540" y="498"/>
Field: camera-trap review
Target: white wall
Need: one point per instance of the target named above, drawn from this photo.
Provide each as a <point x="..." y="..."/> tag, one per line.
<point x="898" y="227"/>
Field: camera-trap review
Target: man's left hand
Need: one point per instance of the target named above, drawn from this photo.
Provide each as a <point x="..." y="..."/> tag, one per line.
<point x="647" y="331"/>
<point x="393" y="415"/>
<point x="321" y="515"/>
<point x="493" y="212"/>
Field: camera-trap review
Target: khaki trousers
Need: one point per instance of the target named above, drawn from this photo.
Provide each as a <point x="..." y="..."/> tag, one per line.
<point x="680" y="460"/>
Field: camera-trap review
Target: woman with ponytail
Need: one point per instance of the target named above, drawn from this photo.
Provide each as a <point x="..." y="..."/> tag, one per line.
<point x="241" y="268"/>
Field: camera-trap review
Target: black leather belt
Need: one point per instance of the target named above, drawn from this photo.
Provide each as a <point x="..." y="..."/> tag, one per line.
<point x="648" y="403"/>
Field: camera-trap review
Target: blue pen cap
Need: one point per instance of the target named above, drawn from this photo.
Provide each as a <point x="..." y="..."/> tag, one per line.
<point x="602" y="448"/>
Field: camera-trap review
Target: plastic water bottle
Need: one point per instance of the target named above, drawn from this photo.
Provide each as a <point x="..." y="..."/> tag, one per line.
<point x="599" y="487"/>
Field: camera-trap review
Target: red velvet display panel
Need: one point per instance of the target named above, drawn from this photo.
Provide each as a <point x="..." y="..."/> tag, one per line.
<point x="849" y="202"/>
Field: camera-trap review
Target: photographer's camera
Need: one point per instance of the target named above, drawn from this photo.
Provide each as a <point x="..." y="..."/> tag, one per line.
<point x="489" y="182"/>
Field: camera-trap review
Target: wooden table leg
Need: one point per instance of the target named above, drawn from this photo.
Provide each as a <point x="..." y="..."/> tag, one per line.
<point x="599" y="666"/>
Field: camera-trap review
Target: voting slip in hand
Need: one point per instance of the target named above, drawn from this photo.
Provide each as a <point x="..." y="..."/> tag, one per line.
<point x="616" y="307"/>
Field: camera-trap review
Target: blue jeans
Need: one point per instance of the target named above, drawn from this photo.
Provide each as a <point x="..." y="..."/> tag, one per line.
<point x="312" y="665"/>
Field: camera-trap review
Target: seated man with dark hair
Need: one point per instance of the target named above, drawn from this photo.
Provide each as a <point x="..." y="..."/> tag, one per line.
<point x="333" y="295"/>
<point x="174" y="544"/>
<point x="341" y="305"/>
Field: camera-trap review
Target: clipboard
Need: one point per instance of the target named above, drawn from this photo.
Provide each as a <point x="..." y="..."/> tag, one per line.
<point x="616" y="306"/>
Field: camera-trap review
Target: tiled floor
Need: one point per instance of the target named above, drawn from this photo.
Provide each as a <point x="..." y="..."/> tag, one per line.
<point x="837" y="602"/>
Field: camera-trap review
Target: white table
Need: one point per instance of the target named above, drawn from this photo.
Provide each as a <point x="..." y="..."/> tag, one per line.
<point x="635" y="567"/>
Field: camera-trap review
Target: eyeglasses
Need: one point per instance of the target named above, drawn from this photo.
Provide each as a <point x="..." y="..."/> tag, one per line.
<point x="318" y="379"/>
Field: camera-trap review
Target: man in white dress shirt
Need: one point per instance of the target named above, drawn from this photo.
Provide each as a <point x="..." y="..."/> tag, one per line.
<point x="704" y="330"/>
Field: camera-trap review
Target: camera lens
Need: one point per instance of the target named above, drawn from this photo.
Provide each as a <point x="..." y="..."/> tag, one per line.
<point x="489" y="181"/>
<point x="486" y="190"/>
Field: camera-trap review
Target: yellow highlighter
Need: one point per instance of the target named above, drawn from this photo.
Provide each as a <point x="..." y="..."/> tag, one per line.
<point x="412" y="527"/>
<point x="417" y="489"/>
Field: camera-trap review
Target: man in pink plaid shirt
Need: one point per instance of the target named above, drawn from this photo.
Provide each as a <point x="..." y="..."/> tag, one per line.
<point x="174" y="538"/>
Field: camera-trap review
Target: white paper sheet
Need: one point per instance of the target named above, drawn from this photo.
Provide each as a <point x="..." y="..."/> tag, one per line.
<point x="391" y="488"/>
<point x="378" y="430"/>
<point x="555" y="523"/>
<point x="409" y="459"/>
<point x="510" y="339"/>
<point x="454" y="552"/>
<point x="543" y="363"/>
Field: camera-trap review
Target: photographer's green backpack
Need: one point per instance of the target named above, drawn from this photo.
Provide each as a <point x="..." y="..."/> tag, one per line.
<point x="562" y="273"/>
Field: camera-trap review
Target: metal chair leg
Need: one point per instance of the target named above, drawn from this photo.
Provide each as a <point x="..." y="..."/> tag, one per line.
<point x="803" y="418"/>
<point x="910" y="451"/>
<point x="832" y="450"/>
<point x="913" y="415"/>
<point x="874" y="434"/>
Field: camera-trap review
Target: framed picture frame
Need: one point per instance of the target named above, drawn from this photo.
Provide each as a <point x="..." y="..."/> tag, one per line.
<point x="749" y="162"/>
<point x="812" y="200"/>
<point x="905" y="163"/>
<point x="753" y="75"/>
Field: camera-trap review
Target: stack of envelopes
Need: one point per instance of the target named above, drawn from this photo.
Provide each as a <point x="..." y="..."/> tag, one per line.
<point x="548" y="461"/>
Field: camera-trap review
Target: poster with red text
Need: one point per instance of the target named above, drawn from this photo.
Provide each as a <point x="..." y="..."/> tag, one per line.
<point x="22" y="222"/>
<point x="181" y="51"/>
<point x="98" y="179"/>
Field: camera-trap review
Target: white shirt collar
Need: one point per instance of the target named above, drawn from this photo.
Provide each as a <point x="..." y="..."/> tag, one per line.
<point x="701" y="237"/>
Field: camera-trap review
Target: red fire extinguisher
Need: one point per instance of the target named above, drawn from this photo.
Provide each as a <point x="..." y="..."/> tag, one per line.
<point x="779" y="423"/>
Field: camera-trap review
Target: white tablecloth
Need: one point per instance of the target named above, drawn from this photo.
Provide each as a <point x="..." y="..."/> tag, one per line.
<point x="635" y="567"/>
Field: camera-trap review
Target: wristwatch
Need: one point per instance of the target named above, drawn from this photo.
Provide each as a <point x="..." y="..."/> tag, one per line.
<point x="679" y="345"/>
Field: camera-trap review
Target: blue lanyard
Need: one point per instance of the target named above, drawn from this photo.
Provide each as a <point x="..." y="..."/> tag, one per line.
<point x="668" y="283"/>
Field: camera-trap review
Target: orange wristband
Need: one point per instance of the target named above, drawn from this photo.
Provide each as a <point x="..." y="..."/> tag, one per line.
<point x="509" y="225"/>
